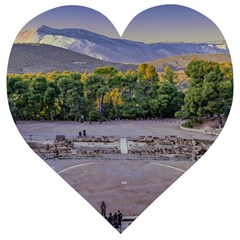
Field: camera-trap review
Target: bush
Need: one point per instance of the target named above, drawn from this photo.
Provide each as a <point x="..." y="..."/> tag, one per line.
<point x="94" y="115"/>
<point x="192" y="122"/>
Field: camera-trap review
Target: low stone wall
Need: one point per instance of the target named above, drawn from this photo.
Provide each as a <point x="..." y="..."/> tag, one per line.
<point x="199" y="131"/>
<point x="65" y="148"/>
<point x="100" y="146"/>
<point x="169" y="145"/>
<point x="103" y="139"/>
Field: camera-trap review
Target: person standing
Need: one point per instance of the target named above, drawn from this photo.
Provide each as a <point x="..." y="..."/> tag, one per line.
<point x="119" y="218"/>
<point x="115" y="220"/>
<point x="57" y="153"/>
<point x="82" y="119"/>
<point x="110" y="218"/>
<point x="103" y="208"/>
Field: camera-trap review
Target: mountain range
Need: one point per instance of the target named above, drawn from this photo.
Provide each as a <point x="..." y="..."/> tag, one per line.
<point x="114" y="49"/>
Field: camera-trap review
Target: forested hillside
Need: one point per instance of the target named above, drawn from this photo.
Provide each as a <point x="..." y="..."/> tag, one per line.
<point x="108" y="94"/>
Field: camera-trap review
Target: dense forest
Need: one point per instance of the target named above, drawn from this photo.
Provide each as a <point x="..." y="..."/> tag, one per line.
<point x="108" y="94"/>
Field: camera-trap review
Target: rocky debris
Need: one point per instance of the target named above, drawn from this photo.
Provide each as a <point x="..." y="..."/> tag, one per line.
<point x="168" y="145"/>
<point x="104" y="139"/>
<point x="139" y="146"/>
<point x="90" y="151"/>
<point x="66" y="148"/>
<point x="35" y="145"/>
<point x="167" y="140"/>
<point x="60" y="138"/>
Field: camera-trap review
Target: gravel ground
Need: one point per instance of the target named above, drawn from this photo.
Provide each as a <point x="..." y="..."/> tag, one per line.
<point x="113" y="128"/>
<point x="126" y="185"/>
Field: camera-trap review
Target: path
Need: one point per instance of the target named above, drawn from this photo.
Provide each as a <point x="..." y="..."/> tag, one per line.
<point x="123" y="146"/>
<point x="123" y="129"/>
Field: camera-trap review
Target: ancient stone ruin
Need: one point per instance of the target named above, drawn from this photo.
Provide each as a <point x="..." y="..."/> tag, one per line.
<point x="166" y="146"/>
<point x="141" y="146"/>
<point x="61" y="147"/>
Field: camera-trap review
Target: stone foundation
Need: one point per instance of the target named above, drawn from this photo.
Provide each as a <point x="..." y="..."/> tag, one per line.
<point x="92" y="146"/>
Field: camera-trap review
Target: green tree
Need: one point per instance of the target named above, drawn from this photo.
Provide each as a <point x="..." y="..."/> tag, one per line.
<point x="146" y="89"/>
<point x="209" y="94"/>
<point x="49" y="101"/>
<point x="105" y="72"/>
<point x="64" y="84"/>
<point x="75" y="100"/>
<point x="168" y="101"/>
<point x="95" y="91"/>
<point x="18" y="94"/>
<point x="38" y="87"/>
<point x="71" y="97"/>
<point x="105" y="94"/>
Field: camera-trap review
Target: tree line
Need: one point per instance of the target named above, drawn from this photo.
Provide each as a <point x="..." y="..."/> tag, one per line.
<point x="108" y="94"/>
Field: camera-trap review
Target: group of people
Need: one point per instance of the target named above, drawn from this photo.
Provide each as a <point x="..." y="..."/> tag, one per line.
<point x="82" y="133"/>
<point x="114" y="219"/>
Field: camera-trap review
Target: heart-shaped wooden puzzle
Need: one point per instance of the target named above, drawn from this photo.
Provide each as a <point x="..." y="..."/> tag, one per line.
<point x="120" y="119"/>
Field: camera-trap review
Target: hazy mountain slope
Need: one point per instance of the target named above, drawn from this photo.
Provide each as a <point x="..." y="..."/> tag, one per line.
<point x="114" y="50"/>
<point x="46" y="58"/>
<point x="181" y="62"/>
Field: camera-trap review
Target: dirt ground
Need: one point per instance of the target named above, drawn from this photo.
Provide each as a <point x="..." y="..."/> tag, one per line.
<point x="129" y="128"/>
<point x="126" y="185"/>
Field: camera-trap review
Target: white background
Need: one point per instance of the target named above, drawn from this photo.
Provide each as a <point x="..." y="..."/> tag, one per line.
<point x="35" y="203"/>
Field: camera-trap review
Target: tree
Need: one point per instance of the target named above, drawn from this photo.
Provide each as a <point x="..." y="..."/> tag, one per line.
<point x="106" y="94"/>
<point x="206" y="95"/>
<point x="211" y="93"/>
<point x="169" y="75"/>
<point x="95" y="91"/>
<point x="71" y="96"/>
<point x="49" y="101"/>
<point x="18" y="94"/>
<point x="38" y="87"/>
<point x="64" y="84"/>
<point x="226" y="94"/>
<point x="148" y="71"/>
<point x="105" y="72"/>
<point x="168" y="101"/>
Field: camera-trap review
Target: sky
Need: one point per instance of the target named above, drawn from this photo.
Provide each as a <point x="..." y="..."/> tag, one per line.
<point x="166" y="23"/>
